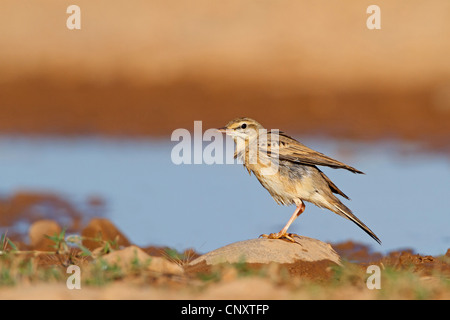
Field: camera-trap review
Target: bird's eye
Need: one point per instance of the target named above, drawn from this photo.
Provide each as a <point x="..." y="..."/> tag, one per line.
<point x="243" y="126"/>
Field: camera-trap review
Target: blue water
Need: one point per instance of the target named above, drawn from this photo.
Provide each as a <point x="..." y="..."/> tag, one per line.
<point x="404" y="196"/>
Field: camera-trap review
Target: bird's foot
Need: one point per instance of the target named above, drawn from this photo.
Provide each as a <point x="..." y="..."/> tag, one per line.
<point x="279" y="235"/>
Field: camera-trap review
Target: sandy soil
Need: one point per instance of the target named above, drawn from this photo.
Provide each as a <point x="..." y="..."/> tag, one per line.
<point x="151" y="67"/>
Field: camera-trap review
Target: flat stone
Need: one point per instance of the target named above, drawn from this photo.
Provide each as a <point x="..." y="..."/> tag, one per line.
<point x="271" y="250"/>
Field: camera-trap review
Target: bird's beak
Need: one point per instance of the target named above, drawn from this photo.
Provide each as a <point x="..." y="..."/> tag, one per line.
<point x="222" y="130"/>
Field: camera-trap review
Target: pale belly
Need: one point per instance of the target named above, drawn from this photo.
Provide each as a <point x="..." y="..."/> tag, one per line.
<point x="286" y="188"/>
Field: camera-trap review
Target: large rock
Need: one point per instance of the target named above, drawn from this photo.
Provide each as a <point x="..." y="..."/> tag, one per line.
<point x="269" y="250"/>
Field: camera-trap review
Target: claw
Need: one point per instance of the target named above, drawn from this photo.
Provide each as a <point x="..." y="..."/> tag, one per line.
<point x="287" y="236"/>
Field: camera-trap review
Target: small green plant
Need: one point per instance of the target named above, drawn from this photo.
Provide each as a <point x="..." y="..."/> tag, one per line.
<point x="63" y="245"/>
<point x="5" y="242"/>
<point x="6" y="279"/>
<point x="212" y="276"/>
<point x="109" y="245"/>
<point x="101" y="273"/>
<point x="244" y="270"/>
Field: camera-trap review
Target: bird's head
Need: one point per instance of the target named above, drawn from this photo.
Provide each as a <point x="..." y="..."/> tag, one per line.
<point x="244" y="128"/>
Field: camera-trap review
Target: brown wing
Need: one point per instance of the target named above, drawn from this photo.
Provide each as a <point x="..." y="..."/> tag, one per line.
<point x="294" y="151"/>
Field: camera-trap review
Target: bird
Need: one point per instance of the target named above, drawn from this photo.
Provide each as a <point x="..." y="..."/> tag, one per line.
<point x="289" y="171"/>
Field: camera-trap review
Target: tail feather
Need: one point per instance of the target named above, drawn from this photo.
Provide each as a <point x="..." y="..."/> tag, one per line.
<point x="332" y="186"/>
<point x="345" y="212"/>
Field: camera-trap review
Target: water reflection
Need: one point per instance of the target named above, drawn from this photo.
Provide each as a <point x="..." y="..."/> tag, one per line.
<point x="404" y="196"/>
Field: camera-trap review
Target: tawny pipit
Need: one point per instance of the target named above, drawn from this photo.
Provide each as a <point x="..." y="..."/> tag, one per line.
<point x="287" y="169"/>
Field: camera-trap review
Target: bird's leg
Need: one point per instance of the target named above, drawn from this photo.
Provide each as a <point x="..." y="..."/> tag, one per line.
<point x="283" y="233"/>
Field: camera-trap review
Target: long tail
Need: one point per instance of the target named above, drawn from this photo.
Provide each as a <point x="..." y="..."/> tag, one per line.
<point x="345" y="212"/>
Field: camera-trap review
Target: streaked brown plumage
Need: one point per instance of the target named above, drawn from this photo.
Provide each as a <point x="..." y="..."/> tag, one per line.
<point x="296" y="178"/>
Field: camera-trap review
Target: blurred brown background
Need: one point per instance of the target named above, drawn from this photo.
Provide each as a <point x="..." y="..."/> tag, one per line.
<point x="149" y="67"/>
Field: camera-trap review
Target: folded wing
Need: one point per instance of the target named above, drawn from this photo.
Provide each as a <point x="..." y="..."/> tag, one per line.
<point x="291" y="150"/>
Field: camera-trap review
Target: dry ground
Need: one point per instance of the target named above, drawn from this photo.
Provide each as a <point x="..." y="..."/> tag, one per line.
<point x="34" y="266"/>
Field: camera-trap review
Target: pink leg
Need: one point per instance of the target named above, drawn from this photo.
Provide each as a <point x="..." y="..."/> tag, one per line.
<point x="283" y="233"/>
